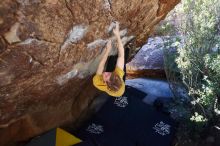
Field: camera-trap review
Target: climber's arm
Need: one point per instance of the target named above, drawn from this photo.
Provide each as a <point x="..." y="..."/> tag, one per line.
<point x="120" y="60"/>
<point x="104" y="58"/>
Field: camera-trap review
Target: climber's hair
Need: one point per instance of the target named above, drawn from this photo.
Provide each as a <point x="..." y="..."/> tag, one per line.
<point x="115" y="82"/>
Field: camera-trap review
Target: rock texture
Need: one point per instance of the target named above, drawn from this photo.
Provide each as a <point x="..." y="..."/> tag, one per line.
<point x="149" y="61"/>
<point x="49" y="50"/>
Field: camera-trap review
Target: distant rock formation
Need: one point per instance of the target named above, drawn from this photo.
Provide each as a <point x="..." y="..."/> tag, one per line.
<point x="49" y="51"/>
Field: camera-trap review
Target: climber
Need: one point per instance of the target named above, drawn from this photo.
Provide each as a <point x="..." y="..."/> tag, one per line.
<point x="111" y="82"/>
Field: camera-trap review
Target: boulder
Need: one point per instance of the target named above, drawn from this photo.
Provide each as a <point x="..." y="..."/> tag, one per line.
<point x="49" y="51"/>
<point x="149" y="61"/>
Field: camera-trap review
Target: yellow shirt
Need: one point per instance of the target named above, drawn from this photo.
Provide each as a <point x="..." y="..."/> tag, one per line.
<point x="101" y="85"/>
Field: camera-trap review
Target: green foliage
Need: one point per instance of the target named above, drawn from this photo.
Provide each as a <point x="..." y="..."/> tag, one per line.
<point x="165" y="28"/>
<point x="198" y="58"/>
<point x="194" y="127"/>
<point x="212" y="63"/>
<point x="196" y="64"/>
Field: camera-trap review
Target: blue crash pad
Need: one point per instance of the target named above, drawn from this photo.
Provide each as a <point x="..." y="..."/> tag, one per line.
<point x="127" y="121"/>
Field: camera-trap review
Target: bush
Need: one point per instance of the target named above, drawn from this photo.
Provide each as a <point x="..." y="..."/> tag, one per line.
<point x="197" y="60"/>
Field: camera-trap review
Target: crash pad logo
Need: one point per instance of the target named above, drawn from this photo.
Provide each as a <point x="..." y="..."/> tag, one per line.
<point x="121" y="101"/>
<point x="95" y="129"/>
<point x="162" y="128"/>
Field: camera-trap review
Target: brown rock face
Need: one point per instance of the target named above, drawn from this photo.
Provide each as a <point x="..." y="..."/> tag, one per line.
<point x="49" y="50"/>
